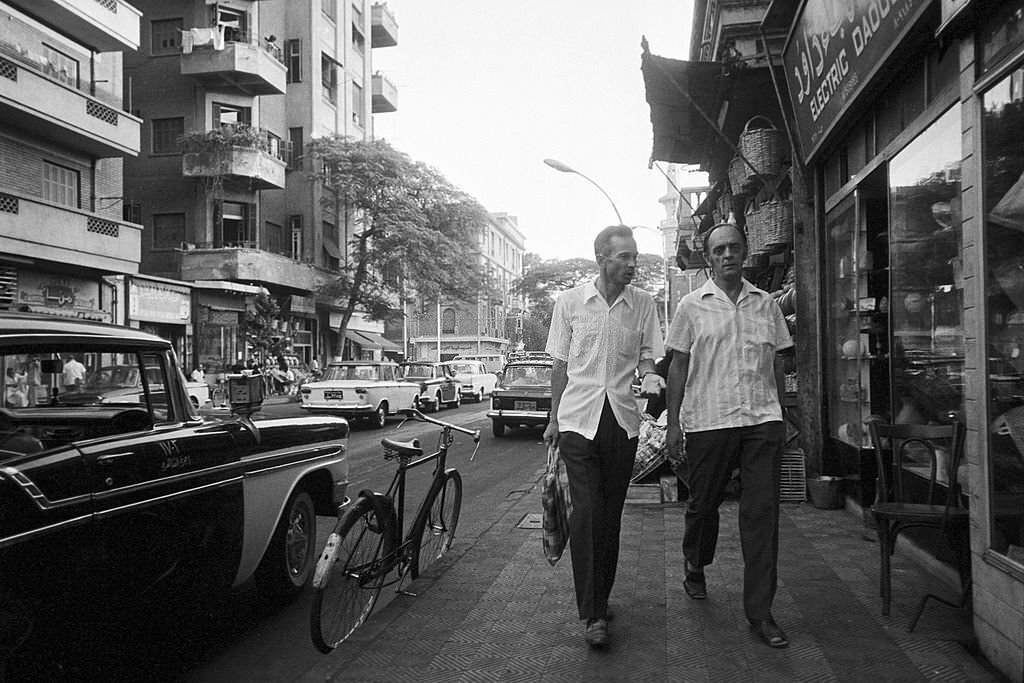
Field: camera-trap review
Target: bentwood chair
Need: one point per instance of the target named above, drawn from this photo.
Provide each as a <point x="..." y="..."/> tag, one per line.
<point x="932" y="454"/>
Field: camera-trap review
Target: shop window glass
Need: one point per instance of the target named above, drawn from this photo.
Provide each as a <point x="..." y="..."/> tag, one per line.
<point x="1000" y="35"/>
<point x="1003" y="191"/>
<point x="926" y="284"/>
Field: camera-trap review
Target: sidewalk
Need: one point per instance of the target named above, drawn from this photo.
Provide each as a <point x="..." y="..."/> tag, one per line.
<point x="494" y="610"/>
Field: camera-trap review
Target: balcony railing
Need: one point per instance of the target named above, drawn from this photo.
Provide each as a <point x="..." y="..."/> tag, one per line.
<point x="102" y="25"/>
<point x="29" y="59"/>
<point x="383" y="27"/>
<point x="219" y="37"/>
<point x="227" y="58"/>
<point x="236" y="150"/>
<point x="384" y="93"/>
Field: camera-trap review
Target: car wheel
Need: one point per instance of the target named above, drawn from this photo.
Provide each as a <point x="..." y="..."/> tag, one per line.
<point x="480" y="396"/>
<point x="290" y="558"/>
<point x="380" y="417"/>
<point x="498" y="428"/>
<point x="195" y="401"/>
<point x="435" y="405"/>
<point x="457" y="402"/>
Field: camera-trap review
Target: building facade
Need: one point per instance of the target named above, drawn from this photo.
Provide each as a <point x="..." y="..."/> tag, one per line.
<point x="445" y="328"/>
<point x="230" y="94"/>
<point x="64" y="133"/>
<point x="902" y="122"/>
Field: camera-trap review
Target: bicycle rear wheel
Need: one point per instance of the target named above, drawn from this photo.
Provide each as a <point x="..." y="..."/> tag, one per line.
<point x="436" y="530"/>
<point x="350" y="573"/>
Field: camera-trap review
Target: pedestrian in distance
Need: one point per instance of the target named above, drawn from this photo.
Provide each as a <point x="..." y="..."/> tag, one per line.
<point x="601" y="333"/>
<point x="726" y="375"/>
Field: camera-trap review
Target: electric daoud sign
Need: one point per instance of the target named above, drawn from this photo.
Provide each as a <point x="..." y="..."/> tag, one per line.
<point x="833" y="50"/>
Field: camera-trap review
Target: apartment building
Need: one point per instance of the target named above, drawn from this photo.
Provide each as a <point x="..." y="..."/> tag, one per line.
<point x="64" y="132"/>
<point x="440" y="330"/>
<point x="230" y="93"/>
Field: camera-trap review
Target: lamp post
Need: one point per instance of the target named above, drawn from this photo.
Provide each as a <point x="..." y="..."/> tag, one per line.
<point x="565" y="168"/>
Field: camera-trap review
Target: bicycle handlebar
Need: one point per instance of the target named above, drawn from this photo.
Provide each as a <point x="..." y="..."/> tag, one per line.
<point x="417" y="415"/>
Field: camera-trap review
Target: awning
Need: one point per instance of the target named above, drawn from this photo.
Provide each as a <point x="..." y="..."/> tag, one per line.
<point x="229" y="286"/>
<point x="331" y="246"/>
<point x="371" y="340"/>
<point x="683" y="97"/>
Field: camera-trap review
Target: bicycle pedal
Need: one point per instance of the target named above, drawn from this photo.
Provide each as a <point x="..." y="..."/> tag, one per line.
<point x="402" y="591"/>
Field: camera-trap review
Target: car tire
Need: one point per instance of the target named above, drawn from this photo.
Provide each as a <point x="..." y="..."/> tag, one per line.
<point x="457" y="402"/>
<point x="380" y="417"/>
<point x="498" y="428"/>
<point x="435" y="405"/>
<point x="290" y="559"/>
<point x="194" y="400"/>
<point x="480" y="396"/>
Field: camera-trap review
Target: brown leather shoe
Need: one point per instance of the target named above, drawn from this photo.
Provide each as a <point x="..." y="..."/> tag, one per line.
<point x="597" y="633"/>
<point x="770" y="633"/>
<point x="695" y="585"/>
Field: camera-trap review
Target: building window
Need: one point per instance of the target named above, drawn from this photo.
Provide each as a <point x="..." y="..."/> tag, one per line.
<point x="231" y="114"/>
<point x="448" y="321"/>
<point x="295" y="230"/>
<point x="235" y="225"/>
<point x="165" y="36"/>
<point x="332" y="256"/>
<point x="329" y="77"/>
<point x="293" y="60"/>
<point x="329" y="8"/>
<point x="358" y="40"/>
<point x="165" y="133"/>
<point x="273" y="238"/>
<point x="296" y="148"/>
<point x="61" y="66"/>
<point x="60" y="184"/>
<point x="168" y="230"/>
<point x="235" y="24"/>
<point x="358" y="104"/>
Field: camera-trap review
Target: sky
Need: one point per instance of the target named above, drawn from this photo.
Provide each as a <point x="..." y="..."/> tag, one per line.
<point x="488" y="89"/>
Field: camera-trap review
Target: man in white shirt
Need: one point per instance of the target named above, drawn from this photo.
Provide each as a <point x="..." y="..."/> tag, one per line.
<point x="601" y="333"/>
<point x="73" y="373"/>
<point x="726" y="376"/>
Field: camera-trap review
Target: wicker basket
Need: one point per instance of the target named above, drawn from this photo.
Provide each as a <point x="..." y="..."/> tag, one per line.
<point x="738" y="175"/>
<point x="777" y="224"/>
<point x="755" y="233"/>
<point x="764" y="147"/>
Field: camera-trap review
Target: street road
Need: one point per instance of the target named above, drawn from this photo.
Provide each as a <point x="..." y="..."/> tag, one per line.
<point x="245" y="637"/>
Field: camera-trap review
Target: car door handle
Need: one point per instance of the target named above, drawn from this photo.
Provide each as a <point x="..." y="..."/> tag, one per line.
<point x="111" y="457"/>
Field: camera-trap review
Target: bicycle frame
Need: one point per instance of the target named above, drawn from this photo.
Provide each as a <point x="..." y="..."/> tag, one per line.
<point x="396" y="491"/>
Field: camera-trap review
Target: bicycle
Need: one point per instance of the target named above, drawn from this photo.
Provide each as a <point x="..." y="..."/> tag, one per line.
<point x="365" y="544"/>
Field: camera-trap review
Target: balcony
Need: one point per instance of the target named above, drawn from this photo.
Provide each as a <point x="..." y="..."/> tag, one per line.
<point x="39" y="230"/>
<point x="234" y="60"/>
<point x="385" y="94"/>
<point x="249" y="154"/>
<point x="383" y="27"/>
<point x="103" y="25"/>
<point x="34" y="98"/>
<point x="247" y="264"/>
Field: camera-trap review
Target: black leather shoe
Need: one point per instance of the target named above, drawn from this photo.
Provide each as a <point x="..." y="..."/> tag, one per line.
<point x="597" y="633"/>
<point x="695" y="586"/>
<point x="769" y="632"/>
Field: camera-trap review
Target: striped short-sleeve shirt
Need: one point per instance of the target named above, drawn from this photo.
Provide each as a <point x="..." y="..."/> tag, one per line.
<point x="732" y="347"/>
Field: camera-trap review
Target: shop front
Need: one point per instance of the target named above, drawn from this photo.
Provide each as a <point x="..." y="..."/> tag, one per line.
<point x="164" y="308"/>
<point x="907" y="118"/>
<point x="219" y="323"/>
<point x="60" y="294"/>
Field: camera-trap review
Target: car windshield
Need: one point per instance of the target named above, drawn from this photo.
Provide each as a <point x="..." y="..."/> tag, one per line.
<point x="339" y="372"/>
<point x="528" y="375"/>
<point x="465" y="368"/>
<point x="419" y="371"/>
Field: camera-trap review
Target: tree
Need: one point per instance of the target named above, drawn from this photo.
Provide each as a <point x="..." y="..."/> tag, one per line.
<point x="411" y="229"/>
<point x="259" y="322"/>
<point x="543" y="280"/>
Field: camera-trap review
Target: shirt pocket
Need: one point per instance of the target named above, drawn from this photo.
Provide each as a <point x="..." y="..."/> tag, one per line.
<point x="586" y="336"/>
<point x="627" y="343"/>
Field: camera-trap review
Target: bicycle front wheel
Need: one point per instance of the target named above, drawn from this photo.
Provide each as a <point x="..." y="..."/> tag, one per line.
<point x="436" y="529"/>
<point x="350" y="573"/>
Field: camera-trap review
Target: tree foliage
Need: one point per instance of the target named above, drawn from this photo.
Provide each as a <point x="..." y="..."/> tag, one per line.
<point x="543" y="280"/>
<point x="259" y="325"/>
<point x="412" y="231"/>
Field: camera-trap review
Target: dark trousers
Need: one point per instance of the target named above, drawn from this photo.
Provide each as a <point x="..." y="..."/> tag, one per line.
<point x="712" y="456"/>
<point x="599" y="472"/>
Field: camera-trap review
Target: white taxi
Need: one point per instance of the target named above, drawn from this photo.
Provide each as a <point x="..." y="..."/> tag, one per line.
<point x="360" y="390"/>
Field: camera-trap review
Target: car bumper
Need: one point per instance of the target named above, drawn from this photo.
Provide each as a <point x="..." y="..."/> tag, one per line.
<point x="360" y="410"/>
<point x="538" y="417"/>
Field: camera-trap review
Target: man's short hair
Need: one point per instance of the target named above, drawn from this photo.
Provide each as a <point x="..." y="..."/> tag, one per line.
<point x="604" y="238"/>
<point x="716" y="226"/>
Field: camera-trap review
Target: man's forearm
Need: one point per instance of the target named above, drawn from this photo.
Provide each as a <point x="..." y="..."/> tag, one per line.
<point x="677" y="371"/>
<point x="559" y="380"/>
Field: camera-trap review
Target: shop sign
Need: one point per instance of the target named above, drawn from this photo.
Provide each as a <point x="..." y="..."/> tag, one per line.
<point x="59" y="295"/>
<point x="303" y="304"/>
<point x="833" y="50"/>
<point x="153" y="302"/>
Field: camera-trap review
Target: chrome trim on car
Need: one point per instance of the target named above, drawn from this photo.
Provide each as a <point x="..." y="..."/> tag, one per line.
<point x="44" y="530"/>
<point x="37" y="496"/>
<point x="520" y="414"/>
<point x="103" y="514"/>
<point x="288" y="463"/>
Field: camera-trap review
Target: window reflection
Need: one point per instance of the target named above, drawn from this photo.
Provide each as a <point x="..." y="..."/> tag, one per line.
<point x="1003" y="189"/>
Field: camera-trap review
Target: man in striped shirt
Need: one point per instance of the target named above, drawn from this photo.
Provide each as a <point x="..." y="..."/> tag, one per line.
<point x="601" y="333"/>
<point x="726" y="375"/>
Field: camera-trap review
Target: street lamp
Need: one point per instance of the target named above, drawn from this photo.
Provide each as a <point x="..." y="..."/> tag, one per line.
<point x="565" y="168"/>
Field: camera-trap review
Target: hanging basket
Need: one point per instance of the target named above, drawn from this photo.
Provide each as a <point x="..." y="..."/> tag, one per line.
<point x="738" y="175"/>
<point x="755" y="233"/>
<point x="763" y="147"/>
<point x="777" y="224"/>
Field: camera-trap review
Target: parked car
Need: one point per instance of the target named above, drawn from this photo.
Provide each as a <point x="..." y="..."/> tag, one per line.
<point x="437" y="384"/>
<point x="523" y="396"/>
<point x="110" y="494"/>
<point x="116" y="383"/>
<point x="364" y="390"/>
<point x="475" y="381"/>
<point x="494" y="362"/>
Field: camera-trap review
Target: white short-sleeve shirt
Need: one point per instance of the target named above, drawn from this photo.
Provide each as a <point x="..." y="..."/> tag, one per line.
<point x="602" y="346"/>
<point x="732" y="347"/>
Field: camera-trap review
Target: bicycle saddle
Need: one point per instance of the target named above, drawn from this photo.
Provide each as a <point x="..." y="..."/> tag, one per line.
<point x="409" y="449"/>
